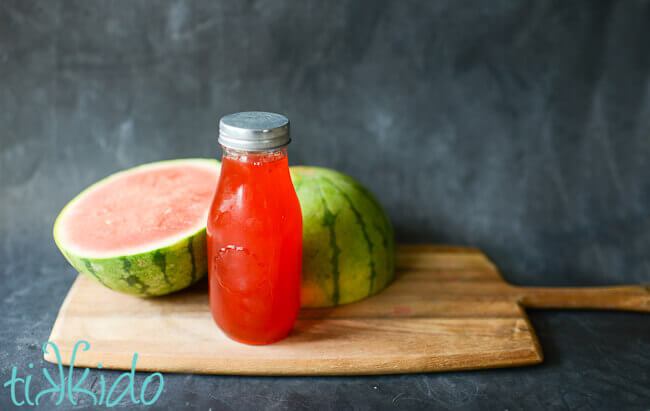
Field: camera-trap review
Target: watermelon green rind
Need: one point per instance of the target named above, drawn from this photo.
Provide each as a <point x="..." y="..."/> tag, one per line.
<point x="172" y="266"/>
<point x="348" y="241"/>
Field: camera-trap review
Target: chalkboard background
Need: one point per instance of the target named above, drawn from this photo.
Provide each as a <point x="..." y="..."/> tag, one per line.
<point x="519" y="127"/>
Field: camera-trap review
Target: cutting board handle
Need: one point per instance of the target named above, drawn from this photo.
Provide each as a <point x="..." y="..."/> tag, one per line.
<point x="626" y="297"/>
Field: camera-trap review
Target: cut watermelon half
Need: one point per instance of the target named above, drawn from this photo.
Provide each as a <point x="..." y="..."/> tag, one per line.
<point x="142" y="231"/>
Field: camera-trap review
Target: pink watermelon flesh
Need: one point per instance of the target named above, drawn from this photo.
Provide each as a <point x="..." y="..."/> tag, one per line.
<point x="140" y="209"/>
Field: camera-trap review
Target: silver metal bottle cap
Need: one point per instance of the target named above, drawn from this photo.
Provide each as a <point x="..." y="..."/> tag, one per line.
<point x="254" y="131"/>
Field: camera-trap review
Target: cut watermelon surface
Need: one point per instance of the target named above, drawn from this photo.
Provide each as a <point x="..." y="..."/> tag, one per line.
<point x="142" y="231"/>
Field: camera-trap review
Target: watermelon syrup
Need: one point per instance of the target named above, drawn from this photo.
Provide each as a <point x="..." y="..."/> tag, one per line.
<point x="254" y="232"/>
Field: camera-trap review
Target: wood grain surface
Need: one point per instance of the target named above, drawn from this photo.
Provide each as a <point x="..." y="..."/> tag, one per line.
<point x="448" y="309"/>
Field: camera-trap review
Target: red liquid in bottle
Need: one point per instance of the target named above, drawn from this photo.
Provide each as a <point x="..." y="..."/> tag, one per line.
<point x="254" y="235"/>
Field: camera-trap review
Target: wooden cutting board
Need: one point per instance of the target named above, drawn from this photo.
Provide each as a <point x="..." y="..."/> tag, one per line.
<point x="448" y="309"/>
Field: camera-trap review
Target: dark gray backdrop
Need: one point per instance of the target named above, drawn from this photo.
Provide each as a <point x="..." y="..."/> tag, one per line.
<point x="519" y="127"/>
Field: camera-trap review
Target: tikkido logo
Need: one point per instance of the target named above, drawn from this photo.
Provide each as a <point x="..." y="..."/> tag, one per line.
<point x="59" y="389"/>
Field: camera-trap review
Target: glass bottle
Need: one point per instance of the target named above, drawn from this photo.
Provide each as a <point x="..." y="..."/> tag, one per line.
<point x="254" y="231"/>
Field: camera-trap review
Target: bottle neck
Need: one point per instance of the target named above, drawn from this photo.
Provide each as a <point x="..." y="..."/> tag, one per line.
<point x="254" y="156"/>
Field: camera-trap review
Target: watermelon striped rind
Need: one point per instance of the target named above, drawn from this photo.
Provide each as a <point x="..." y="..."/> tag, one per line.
<point x="348" y="240"/>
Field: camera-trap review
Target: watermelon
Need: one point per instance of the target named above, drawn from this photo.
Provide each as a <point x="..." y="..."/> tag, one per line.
<point x="141" y="231"/>
<point x="348" y="241"/>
